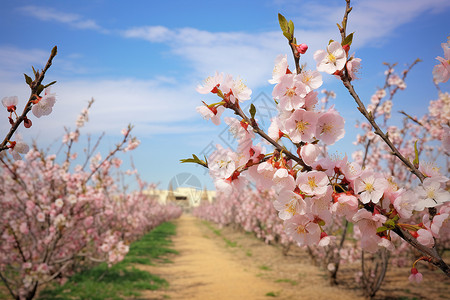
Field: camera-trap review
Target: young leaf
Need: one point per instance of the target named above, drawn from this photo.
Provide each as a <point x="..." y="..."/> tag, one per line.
<point x="28" y="79"/>
<point x="381" y="229"/>
<point x="291" y="27"/>
<point x="195" y="160"/>
<point x="287" y="35"/>
<point x="51" y="83"/>
<point x="348" y="39"/>
<point x="416" y="156"/>
<point x="252" y="111"/>
<point x="283" y="23"/>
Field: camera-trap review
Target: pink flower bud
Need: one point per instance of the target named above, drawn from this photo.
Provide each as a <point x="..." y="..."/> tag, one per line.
<point x="302" y="48"/>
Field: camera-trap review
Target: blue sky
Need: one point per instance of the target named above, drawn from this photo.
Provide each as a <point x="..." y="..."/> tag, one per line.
<point x="141" y="61"/>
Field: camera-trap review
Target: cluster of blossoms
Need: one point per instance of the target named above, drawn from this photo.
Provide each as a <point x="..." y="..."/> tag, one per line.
<point x="41" y="106"/>
<point x="56" y="219"/>
<point x="311" y="187"/>
<point x="252" y="211"/>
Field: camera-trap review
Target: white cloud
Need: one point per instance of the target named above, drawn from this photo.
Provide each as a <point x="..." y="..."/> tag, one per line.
<point x="152" y="106"/>
<point x="150" y="33"/>
<point x="373" y="21"/>
<point x="51" y="14"/>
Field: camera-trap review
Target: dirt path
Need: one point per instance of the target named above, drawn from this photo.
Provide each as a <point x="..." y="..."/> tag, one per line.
<point x="207" y="269"/>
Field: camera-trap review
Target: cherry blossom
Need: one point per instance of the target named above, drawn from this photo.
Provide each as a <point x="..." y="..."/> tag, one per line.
<point x="441" y="72"/>
<point x="211" y="113"/>
<point x="279" y="70"/>
<point x="415" y="276"/>
<point x="331" y="60"/>
<point x="313" y="183"/>
<point x="430" y="194"/>
<point x="10" y="103"/>
<point x="302" y="230"/>
<point x="301" y="126"/>
<point x="330" y="127"/>
<point x="370" y="187"/>
<point x="44" y="105"/>
<point x="210" y="84"/>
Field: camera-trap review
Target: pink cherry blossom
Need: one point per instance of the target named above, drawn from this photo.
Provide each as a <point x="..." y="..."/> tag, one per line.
<point x="405" y="204"/>
<point x="313" y="183"/>
<point x="289" y="204"/>
<point x="425" y="238"/>
<point x="431" y="194"/>
<point x="331" y="60"/>
<point x="302" y="230"/>
<point x="10" y="102"/>
<point x="441" y="72"/>
<point x="291" y="92"/>
<point x="311" y="79"/>
<point x="330" y="127"/>
<point x="210" y="83"/>
<point x="301" y="126"/>
<point x="309" y="153"/>
<point x="280" y="68"/>
<point x="45" y="105"/>
<point x="210" y="113"/>
<point x="353" y="66"/>
<point x="415" y="276"/>
<point x="370" y="187"/>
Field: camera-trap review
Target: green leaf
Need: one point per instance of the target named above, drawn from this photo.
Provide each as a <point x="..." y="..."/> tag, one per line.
<point x="390" y="224"/>
<point x="283" y="23"/>
<point x="291" y="27"/>
<point x="252" y="111"/>
<point x="348" y="39"/>
<point x="287" y="35"/>
<point x="51" y="83"/>
<point x="28" y="79"/>
<point x="195" y="160"/>
<point x="416" y="156"/>
<point x="381" y="229"/>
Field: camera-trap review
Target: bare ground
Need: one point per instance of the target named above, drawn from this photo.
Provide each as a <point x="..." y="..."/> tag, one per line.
<point x="235" y="265"/>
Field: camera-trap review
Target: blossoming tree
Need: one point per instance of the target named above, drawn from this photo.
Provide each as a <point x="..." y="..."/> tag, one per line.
<point x="313" y="188"/>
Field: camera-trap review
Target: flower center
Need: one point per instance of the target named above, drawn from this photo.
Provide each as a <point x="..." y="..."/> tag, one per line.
<point x="301" y="229"/>
<point x="302" y="126"/>
<point x="331" y="58"/>
<point x="326" y="128"/>
<point x="312" y="182"/>
<point x="290" y="92"/>
<point x="369" y="187"/>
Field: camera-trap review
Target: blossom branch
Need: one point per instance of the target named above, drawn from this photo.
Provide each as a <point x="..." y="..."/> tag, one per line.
<point x="36" y="89"/>
<point x="235" y="107"/>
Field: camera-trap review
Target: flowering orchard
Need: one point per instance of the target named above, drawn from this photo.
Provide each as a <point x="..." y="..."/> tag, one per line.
<point x="57" y="218"/>
<point x="313" y="190"/>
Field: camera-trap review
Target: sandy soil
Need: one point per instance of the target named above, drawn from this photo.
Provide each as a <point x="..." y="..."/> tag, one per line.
<point x="210" y="268"/>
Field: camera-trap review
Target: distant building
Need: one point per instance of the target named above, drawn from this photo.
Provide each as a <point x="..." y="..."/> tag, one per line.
<point x="185" y="197"/>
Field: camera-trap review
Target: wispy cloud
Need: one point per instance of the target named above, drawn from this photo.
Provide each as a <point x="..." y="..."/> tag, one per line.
<point x="375" y="22"/>
<point x="152" y="106"/>
<point x="51" y="14"/>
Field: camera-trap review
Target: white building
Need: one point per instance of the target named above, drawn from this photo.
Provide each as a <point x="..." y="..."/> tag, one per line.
<point x="186" y="197"/>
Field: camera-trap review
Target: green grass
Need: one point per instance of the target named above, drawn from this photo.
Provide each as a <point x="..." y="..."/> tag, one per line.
<point x="272" y="294"/>
<point x="265" y="268"/>
<point x="123" y="279"/>
<point x="292" y="282"/>
<point x="229" y="242"/>
<point x="248" y="253"/>
<point x="218" y="232"/>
